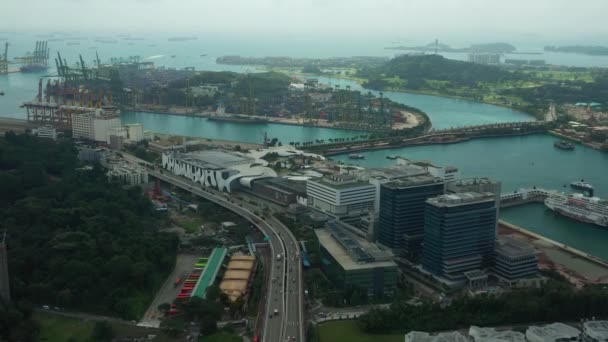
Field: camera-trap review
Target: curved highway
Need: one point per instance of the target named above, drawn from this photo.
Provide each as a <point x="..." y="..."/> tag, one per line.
<point x="284" y="291"/>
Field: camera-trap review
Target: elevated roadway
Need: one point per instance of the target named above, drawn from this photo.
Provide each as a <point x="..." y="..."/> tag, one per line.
<point x="284" y="290"/>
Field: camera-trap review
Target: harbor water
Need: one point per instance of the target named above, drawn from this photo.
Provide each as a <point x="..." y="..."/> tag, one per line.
<point x="516" y="161"/>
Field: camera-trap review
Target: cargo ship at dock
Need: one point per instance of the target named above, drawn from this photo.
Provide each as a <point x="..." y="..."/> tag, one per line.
<point x="238" y="119"/>
<point x="592" y="210"/>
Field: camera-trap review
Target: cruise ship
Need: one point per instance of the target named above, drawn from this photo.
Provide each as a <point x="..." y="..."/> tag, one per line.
<point x="586" y="209"/>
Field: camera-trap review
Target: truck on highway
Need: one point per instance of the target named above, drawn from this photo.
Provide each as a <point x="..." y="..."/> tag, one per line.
<point x="278" y="256"/>
<point x="276" y="311"/>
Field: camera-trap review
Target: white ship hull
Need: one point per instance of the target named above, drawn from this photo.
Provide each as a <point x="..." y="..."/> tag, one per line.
<point x="578" y="209"/>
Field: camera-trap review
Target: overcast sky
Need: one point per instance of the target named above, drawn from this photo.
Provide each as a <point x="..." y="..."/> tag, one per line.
<point x="557" y="18"/>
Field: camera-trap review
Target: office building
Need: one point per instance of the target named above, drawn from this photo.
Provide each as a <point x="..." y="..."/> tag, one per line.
<point x="595" y="331"/>
<point x="515" y="261"/>
<point x="459" y="234"/>
<point x="94" y="126"/>
<point x="403" y="169"/>
<point x="556" y="332"/>
<point x="352" y="262"/>
<point x="340" y="196"/>
<point x="402" y="206"/>
<point x="135" y="132"/>
<point x="222" y="170"/>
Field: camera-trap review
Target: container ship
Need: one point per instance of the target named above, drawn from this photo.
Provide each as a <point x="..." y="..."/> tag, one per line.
<point x="576" y="206"/>
<point x="238" y="119"/>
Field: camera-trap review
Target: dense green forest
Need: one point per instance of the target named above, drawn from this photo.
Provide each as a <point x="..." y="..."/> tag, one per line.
<point x="529" y="90"/>
<point x="556" y="301"/>
<point x="76" y="240"/>
<point x="417" y="69"/>
<point x="264" y="85"/>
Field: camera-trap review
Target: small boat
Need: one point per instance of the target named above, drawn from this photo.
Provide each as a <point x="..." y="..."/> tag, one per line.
<point x="582" y="185"/>
<point x="203" y="55"/>
<point x="564" y="145"/>
<point x="356" y="156"/>
<point x="172" y="56"/>
<point x="392" y="157"/>
<point x="1" y="92"/>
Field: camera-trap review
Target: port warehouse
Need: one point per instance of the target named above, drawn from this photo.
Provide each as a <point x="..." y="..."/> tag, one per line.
<point x="235" y="282"/>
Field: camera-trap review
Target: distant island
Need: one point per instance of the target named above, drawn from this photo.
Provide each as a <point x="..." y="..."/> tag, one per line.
<point x="311" y="64"/>
<point x="181" y="39"/>
<point x="480" y="48"/>
<point x="581" y="49"/>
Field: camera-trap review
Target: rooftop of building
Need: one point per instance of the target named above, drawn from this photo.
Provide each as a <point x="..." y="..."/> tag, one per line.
<point x="214" y="159"/>
<point x="418" y="336"/>
<point x="341" y="182"/>
<point x="598" y="330"/>
<point x="513" y="248"/>
<point x="554" y="331"/>
<point x="460" y="198"/>
<point x="473" y="181"/>
<point x="492" y="335"/>
<point x="341" y="255"/>
<point x="392" y="172"/>
<point x="417" y="180"/>
<point x="285" y="183"/>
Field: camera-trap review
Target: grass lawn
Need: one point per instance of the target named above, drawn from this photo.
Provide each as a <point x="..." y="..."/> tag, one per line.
<point x="60" y="329"/>
<point x="55" y="328"/>
<point x="191" y="222"/>
<point x="347" y="331"/>
<point x="221" y="337"/>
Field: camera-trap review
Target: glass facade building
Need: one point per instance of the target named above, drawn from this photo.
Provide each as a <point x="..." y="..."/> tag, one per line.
<point x="459" y="234"/>
<point x="364" y="269"/>
<point x="402" y="207"/>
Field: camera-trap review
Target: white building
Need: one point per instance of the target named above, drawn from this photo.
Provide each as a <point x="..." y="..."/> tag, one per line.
<point x="135" y="132"/>
<point x="219" y="169"/>
<point x="128" y="174"/>
<point x="341" y="196"/>
<point x="149" y="135"/>
<point x="419" y="336"/>
<point x="119" y="132"/>
<point x="491" y="335"/>
<point x="595" y="331"/>
<point x="94" y="125"/>
<point x="46" y="132"/>
<point x="556" y="332"/>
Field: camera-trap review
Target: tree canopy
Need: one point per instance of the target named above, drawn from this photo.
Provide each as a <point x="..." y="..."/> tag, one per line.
<point x="75" y="239"/>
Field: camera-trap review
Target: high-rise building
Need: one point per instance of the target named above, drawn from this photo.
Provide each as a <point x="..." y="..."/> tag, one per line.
<point x="459" y="234"/>
<point x="401" y="219"/>
<point x="94" y="126"/>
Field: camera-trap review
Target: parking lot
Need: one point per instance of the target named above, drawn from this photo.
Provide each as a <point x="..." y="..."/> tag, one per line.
<point x="168" y="292"/>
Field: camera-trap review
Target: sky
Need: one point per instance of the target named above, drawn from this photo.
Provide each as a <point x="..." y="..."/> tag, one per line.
<point x="544" y="18"/>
